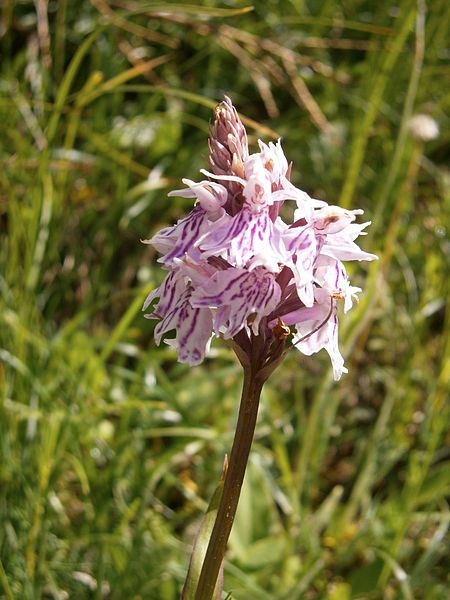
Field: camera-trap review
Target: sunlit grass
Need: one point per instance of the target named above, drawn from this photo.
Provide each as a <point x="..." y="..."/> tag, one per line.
<point x="110" y="449"/>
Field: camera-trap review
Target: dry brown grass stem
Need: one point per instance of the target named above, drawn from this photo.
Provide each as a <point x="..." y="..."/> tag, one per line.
<point x="130" y="52"/>
<point x="306" y="98"/>
<point x="43" y="32"/>
<point x="257" y="43"/>
<point x="138" y="30"/>
<point x="253" y="67"/>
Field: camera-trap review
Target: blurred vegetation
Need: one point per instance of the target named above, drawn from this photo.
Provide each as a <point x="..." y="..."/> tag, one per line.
<point x="110" y="449"/>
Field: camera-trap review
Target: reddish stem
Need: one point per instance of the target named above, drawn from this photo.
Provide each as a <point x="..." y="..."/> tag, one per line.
<point x="243" y="437"/>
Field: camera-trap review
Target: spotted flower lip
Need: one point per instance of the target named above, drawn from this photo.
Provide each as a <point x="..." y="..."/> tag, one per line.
<point x="246" y="235"/>
<point x="235" y="294"/>
<point x="193" y="326"/>
<point x="180" y="239"/>
<point x="237" y="270"/>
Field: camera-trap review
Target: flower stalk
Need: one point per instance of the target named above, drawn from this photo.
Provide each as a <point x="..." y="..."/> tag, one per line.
<point x="243" y="437"/>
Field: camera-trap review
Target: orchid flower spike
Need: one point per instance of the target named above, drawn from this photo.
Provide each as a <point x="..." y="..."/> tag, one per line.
<point x="236" y="270"/>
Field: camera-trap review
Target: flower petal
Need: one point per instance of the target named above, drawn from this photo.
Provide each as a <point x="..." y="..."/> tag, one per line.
<point x="304" y="247"/>
<point x="237" y="294"/>
<point x="245" y="235"/>
<point x="315" y="332"/>
<point x="210" y="195"/>
<point x="168" y="293"/>
<point x="182" y="237"/>
<point x="193" y="330"/>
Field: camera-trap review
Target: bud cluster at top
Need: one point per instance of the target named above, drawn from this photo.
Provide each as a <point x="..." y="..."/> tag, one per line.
<point x="236" y="270"/>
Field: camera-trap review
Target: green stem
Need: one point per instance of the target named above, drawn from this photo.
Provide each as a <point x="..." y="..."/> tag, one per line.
<point x="245" y="428"/>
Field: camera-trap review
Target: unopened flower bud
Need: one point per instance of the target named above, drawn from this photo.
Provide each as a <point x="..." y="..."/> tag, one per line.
<point x="228" y="145"/>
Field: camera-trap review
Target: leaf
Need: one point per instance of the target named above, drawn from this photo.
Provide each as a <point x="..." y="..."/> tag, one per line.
<point x="364" y="580"/>
<point x="263" y="553"/>
<point x="121" y="78"/>
<point x="197" y="11"/>
<point x="67" y="81"/>
<point x="256" y="513"/>
<point x="122" y="326"/>
<point x="201" y="544"/>
<point x="436" y="485"/>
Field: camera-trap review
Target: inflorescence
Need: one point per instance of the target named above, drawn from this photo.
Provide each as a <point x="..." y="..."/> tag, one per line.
<point x="236" y="270"/>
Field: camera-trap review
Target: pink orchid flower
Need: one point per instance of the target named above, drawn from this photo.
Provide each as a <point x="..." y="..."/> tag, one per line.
<point x="237" y="269"/>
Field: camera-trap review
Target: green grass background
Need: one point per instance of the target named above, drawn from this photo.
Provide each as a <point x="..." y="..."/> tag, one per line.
<point x="110" y="449"/>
